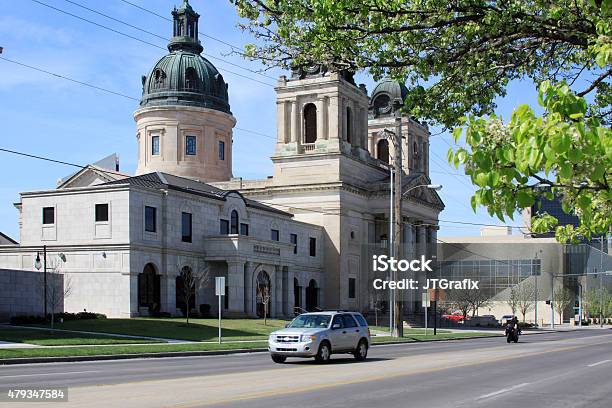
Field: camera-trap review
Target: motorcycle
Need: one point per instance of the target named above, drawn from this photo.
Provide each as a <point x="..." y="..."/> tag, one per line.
<point x="512" y="333"/>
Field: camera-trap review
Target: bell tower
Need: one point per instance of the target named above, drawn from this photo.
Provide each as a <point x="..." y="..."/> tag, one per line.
<point x="184" y="120"/>
<point x="321" y="115"/>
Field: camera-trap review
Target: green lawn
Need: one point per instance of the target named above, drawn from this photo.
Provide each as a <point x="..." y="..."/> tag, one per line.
<point x="115" y="350"/>
<point x="54" y="338"/>
<point x="411" y="331"/>
<point x="176" y="328"/>
<point x="138" y="349"/>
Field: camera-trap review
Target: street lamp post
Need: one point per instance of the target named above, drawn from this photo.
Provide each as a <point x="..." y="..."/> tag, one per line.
<point x="38" y="265"/>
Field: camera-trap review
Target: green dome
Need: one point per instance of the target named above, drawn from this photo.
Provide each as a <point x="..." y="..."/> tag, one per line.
<point x="384" y="94"/>
<point x="184" y="77"/>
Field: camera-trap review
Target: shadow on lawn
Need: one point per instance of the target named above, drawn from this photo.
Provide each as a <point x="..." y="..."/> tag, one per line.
<point x="198" y="329"/>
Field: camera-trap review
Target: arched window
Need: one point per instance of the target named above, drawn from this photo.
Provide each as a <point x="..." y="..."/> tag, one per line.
<point x="191" y="78"/>
<point x="149" y="288"/>
<point x="263" y="294"/>
<point x="312" y="296"/>
<point x="349" y="125"/>
<point x="310" y="123"/>
<point x="234" y="223"/>
<point x="382" y="150"/>
<point x="159" y="78"/>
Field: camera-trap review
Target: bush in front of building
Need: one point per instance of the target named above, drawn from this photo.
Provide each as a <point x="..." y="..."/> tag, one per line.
<point x="525" y="325"/>
<point x="63" y="316"/>
<point x="205" y="310"/>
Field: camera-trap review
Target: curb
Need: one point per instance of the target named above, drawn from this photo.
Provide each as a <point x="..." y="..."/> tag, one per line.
<point x="71" y="359"/>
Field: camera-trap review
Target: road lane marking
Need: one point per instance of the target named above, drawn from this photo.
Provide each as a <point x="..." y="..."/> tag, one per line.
<point x="41" y="374"/>
<point x="598" y="363"/>
<point x="493" y="394"/>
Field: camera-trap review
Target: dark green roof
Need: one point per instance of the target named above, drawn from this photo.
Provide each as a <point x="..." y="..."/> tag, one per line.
<point x="184" y="77"/>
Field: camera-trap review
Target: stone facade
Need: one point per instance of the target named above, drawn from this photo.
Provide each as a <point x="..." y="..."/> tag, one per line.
<point x="104" y="259"/>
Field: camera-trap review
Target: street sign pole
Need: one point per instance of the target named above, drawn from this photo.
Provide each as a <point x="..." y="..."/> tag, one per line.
<point x="425" y="301"/>
<point x="220" y="291"/>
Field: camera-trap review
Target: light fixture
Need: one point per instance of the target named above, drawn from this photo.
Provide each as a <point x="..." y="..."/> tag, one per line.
<point x="37" y="263"/>
<point x="435" y="187"/>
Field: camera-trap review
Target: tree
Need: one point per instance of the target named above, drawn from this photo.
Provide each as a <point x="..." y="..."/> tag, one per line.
<point x="561" y="300"/>
<point x="264" y="295"/>
<point x="59" y="287"/>
<point x="192" y="280"/>
<point x="513" y="299"/>
<point x="459" y="300"/>
<point x="457" y="57"/>
<point x="525" y="296"/>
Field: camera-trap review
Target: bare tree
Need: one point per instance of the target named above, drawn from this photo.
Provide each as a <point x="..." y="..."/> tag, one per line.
<point x="59" y="287"/>
<point x="513" y="299"/>
<point x="526" y="296"/>
<point x="376" y="302"/>
<point x="193" y="278"/>
<point x="477" y="299"/>
<point x="561" y="300"/>
<point x="264" y="296"/>
<point x="459" y="300"/>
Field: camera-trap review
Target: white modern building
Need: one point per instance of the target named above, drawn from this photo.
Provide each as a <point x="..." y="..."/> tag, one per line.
<point x="305" y="235"/>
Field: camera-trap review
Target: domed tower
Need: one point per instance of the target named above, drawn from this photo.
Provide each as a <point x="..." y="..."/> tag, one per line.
<point x="184" y="121"/>
<point x="387" y="97"/>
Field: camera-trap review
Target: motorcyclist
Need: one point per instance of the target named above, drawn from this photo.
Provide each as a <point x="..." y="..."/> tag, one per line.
<point x="513" y="324"/>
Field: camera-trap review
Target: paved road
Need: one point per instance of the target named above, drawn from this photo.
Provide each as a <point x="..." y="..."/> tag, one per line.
<point x="572" y="369"/>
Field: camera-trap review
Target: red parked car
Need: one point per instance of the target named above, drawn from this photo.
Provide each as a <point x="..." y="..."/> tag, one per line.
<point x="455" y="317"/>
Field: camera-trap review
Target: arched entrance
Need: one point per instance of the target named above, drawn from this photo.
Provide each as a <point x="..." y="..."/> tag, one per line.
<point x="312" y="296"/>
<point x="263" y="294"/>
<point x="297" y="293"/>
<point x="149" y="288"/>
<point x="382" y="151"/>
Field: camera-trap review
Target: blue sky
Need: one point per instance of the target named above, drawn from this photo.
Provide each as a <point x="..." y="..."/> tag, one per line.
<point x="44" y="115"/>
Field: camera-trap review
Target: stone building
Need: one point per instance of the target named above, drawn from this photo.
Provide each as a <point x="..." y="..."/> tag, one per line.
<point x="305" y="235"/>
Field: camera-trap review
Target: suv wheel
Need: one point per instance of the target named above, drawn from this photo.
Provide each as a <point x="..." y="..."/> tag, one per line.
<point x="278" y="359"/>
<point x="324" y="353"/>
<point x="361" y="352"/>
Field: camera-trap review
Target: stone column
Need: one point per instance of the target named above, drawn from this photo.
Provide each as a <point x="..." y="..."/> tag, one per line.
<point x="290" y="295"/>
<point x="334" y="118"/>
<point x="168" y="294"/>
<point x="295" y="122"/>
<point x="281" y="116"/>
<point x="320" y="119"/>
<point x="249" y="291"/>
<point x="235" y="284"/>
<point x="277" y="288"/>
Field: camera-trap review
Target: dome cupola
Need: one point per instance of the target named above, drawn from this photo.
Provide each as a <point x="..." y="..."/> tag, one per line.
<point x="184" y="77"/>
<point x="385" y="93"/>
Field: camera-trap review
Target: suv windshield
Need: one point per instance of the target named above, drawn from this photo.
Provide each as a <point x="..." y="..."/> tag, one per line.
<point x="310" y="321"/>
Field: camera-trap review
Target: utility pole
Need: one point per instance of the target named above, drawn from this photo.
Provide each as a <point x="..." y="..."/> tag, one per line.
<point x="397" y="212"/>
<point x="390" y="243"/>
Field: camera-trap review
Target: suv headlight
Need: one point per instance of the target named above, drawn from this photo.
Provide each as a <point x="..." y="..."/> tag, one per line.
<point x="308" y="337"/>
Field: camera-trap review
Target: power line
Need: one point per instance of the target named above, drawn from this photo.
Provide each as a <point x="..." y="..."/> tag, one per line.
<point x="99" y="88"/>
<point x="66" y="163"/>
<point x="168" y="19"/>
<point x="147" y="42"/>
<point x="165" y="38"/>
<point x="68" y="78"/>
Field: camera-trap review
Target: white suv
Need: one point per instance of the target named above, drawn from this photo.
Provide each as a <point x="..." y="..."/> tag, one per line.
<point x="319" y="335"/>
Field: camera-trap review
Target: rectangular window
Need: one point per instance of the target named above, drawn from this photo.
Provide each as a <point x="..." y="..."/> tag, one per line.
<point x="48" y="214"/>
<point x="155" y="145"/>
<point x="294" y="242"/>
<point x="313" y="246"/>
<point x="221" y="150"/>
<point x="186" y="227"/>
<point x="244" y="229"/>
<point x="101" y="212"/>
<point x="224" y="227"/>
<point x="190" y="145"/>
<point x="275" y="236"/>
<point x="150" y="219"/>
<point x="351" y="288"/>
<point x="226" y="297"/>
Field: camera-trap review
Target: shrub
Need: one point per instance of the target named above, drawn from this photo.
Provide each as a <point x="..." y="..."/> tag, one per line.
<point x="205" y="310"/>
<point x="525" y="325"/>
<point x="28" y="319"/>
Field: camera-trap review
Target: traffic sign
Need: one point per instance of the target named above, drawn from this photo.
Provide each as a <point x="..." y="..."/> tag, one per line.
<point x="220" y="286"/>
<point x="426" y="300"/>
